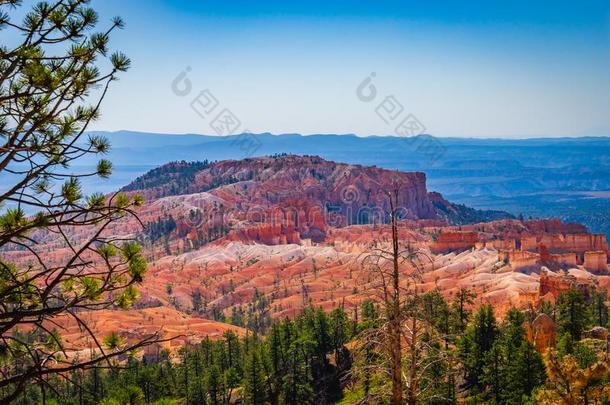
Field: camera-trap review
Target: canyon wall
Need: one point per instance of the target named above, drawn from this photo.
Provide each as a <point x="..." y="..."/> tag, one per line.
<point x="578" y="243"/>
<point x="454" y="241"/>
<point x="519" y="259"/>
<point x="596" y="262"/>
<point x="552" y="284"/>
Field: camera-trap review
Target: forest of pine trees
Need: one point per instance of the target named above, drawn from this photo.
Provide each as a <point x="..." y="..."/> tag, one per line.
<point x="322" y="358"/>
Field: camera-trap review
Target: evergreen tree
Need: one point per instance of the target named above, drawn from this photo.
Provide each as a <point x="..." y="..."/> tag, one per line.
<point x="463" y="299"/>
<point x="599" y="309"/>
<point x="370" y="314"/>
<point x="214" y="385"/>
<point x="570" y="384"/>
<point x="437" y="313"/>
<point x="495" y="373"/>
<point x="54" y="76"/>
<point x="478" y="339"/>
<point x="573" y="313"/>
<point x="297" y="382"/>
<point x="339" y="332"/>
<point x="583" y="354"/>
<point x="254" y="380"/>
<point x="548" y="308"/>
<point x="513" y="332"/>
<point x="525" y="372"/>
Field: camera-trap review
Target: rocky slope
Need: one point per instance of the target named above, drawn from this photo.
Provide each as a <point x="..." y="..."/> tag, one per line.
<point x="291" y="229"/>
<point x="258" y="238"/>
<point x="303" y="194"/>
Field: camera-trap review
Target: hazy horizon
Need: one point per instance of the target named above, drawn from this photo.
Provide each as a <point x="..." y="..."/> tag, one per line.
<point x="515" y="137"/>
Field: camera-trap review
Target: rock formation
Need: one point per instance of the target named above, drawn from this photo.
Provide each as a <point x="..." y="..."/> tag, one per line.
<point x="542" y="332"/>
<point x="454" y="241"/>
<point x="553" y="284"/>
<point x="597" y="332"/>
<point x="596" y="262"/>
<point x="560" y="242"/>
<point x="294" y="230"/>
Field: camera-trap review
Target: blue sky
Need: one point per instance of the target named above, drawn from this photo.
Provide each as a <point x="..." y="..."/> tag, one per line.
<point x="463" y="68"/>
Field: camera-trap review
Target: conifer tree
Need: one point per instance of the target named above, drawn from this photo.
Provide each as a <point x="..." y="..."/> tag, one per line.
<point x="297" y="382"/>
<point x="525" y="371"/>
<point x="254" y="380"/>
<point x="214" y="385"/>
<point x="599" y="309"/>
<point x="573" y="314"/>
<point x="339" y="332"/>
<point x="47" y="78"/>
<point x="478" y="339"/>
<point x="495" y="374"/>
<point x="572" y="385"/>
<point x="463" y="299"/>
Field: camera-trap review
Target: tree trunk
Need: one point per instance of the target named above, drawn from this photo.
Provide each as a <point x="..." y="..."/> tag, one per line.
<point x="414" y="358"/>
<point x="394" y="319"/>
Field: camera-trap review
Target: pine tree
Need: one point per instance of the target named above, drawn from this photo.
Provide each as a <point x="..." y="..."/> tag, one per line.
<point x="53" y="79"/>
<point x="321" y="334"/>
<point x="513" y="332"/>
<point x="370" y="314"/>
<point x="232" y="380"/>
<point x="478" y="339"/>
<point x="463" y="299"/>
<point x="573" y="313"/>
<point x="495" y="373"/>
<point x="599" y="309"/>
<point x="297" y="383"/>
<point x="214" y="385"/>
<point x="339" y="332"/>
<point x="525" y="372"/>
<point x="571" y="385"/>
<point x="436" y="313"/>
<point x="254" y="380"/>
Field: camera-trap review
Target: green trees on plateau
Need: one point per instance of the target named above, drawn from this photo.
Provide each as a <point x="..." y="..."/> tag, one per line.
<point x="55" y="69"/>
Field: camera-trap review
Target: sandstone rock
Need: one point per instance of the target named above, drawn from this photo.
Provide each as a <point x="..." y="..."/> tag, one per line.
<point x="541" y="332"/>
<point x="578" y="243"/>
<point x="553" y="226"/>
<point x="562" y="260"/>
<point x="597" y="332"/>
<point x="454" y="241"/>
<point x="519" y="259"/>
<point x="556" y="283"/>
<point x="596" y="262"/>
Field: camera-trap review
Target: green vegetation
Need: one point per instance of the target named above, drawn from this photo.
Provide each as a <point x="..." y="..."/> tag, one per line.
<point x="171" y="177"/>
<point x="160" y="228"/>
<point x="461" y="214"/>
<point x="179" y="178"/>
<point x="307" y="360"/>
<point x="295" y="363"/>
<point x="57" y="60"/>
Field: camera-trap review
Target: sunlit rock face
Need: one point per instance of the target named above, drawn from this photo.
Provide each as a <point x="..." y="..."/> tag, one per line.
<point x="542" y="332"/>
<point x="596" y="262"/>
<point x="294" y="230"/>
